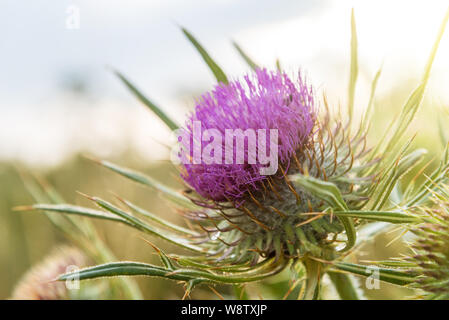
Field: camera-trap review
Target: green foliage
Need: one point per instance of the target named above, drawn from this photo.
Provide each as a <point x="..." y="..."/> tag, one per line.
<point x="142" y="98"/>
<point x="216" y="70"/>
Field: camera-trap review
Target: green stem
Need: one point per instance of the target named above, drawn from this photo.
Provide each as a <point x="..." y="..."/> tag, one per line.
<point x="313" y="270"/>
<point x="344" y="286"/>
<point x="240" y="292"/>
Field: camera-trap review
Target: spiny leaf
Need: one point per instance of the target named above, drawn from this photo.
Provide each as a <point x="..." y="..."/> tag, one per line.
<point x="141" y="225"/>
<point x="436" y="44"/>
<point x="408" y="112"/>
<point x="84" y="235"/>
<point x="216" y="70"/>
<point x="404" y="165"/>
<point x="419" y="195"/>
<point x="354" y="66"/>
<point x="381" y="216"/>
<point x="369" y="110"/>
<point x="394" y="276"/>
<point x="388" y="180"/>
<point x="123" y="269"/>
<point x="328" y="192"/>
<point x="143" y="269"/>
<point x="411" y="106"/>
<point x="392" y="263"/>
<point x="113" y="214"/>
<point x="278" y="65"/>
<point x="71" y="209"/>
<point x="323" y="189"/>
<point x="167" y="261"/>
<point x="237" y="268"/>
<point x="169" y="193"/>
<point x="35" y="188"/>
<point x="245" y="57"/>
<point x="157" y="219"/>
<point x="153" y="107"/>
<point x="344" y="286"/>
<point x="271" y="268"/>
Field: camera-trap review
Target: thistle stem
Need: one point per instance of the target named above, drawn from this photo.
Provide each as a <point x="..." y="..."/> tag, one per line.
<point x="344" y="286"/>
<point x="313" y="270"/>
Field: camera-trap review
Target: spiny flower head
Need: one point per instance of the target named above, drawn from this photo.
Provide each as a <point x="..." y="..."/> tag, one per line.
<point x="269" y="214"/>
<point x="267" y="100"/>
<point x="431" y="253"/>
<point x="39" y="282"/>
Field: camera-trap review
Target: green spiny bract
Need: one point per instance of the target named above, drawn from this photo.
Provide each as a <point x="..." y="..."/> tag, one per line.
<point x="430" y="258"/>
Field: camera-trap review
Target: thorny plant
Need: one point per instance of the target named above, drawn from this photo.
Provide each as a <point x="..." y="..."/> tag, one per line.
<point x="332" y="192"/>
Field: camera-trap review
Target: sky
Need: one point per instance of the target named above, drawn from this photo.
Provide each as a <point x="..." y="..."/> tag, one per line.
<point x="58" y="95"/>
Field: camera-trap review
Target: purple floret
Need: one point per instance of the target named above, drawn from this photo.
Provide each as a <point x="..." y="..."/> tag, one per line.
<point x="267" y="100"/>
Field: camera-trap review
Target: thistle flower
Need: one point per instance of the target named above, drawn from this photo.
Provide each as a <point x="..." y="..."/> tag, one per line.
<point x="271" y="101"/>
<point x="262" y="213"/>
<point x="39" y="282"/>
<point x="246" y="226"/>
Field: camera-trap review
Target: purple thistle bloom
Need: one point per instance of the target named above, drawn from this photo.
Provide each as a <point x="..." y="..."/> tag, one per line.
<point x="268" y="100"/>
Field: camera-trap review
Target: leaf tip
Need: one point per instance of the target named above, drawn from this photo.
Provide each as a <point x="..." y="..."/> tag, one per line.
<point x="86" y="196"/>
<point x="22" y="208"/>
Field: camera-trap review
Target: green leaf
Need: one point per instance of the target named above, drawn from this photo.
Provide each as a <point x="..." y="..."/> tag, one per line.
<point x="278" y="65"/>
<point x="71" y="209"/>
<point x="169" y="193"/>
<point x="399" y="169"/>
<point x="394" y="276"/>
<point x="123" y="269"/>
<point x="166" y="260"/>
<point x="271" y="268"/>
<point x="392" y="173"/>
<point x="83" y="235"/>
<point x="436" y="44"/>
<point x="245" y="57"/>
<point x="392" y="263"/>
<point x="354" y="66"/>
<point x="322" y="189"/>
<point x="328" y="192"/>
<point x="216" y="70"/>
<point x="344" y="286"/>
<point x="158" y="111"/>
<point x="142" y="269"/>
<point x="382" y="216"/>
<point x="113" y="214"/>
<point x="39" y="192"/>
<point x="421" y="194"/>
<point x="410" y="108"/>
<point x="157" y="219"/>
<point x="141" y="225"/>
<point x="369" y="110"/>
